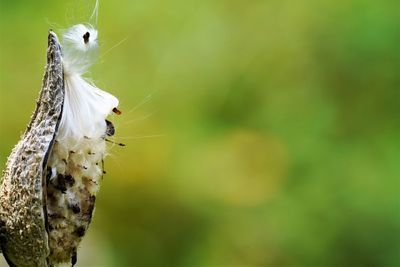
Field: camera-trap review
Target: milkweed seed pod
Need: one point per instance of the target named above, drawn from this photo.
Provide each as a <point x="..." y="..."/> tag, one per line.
<point x="49" y="187"/>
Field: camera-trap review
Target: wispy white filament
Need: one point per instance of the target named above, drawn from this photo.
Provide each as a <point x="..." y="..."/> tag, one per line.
<point x="85" y="106"/>
<point x="79" y="55"/>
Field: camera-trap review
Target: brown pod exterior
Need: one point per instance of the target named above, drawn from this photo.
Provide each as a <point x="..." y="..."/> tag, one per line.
<point x="23" y="233"/>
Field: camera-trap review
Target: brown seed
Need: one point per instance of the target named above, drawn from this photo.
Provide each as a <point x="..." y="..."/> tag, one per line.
<point x="75" y="208"/>
<point x="80" y="231"/>
<point x="117" y="111"/>
<point x="86" y="37"/>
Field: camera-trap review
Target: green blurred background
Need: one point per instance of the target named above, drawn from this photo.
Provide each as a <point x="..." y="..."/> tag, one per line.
<point x="259" y="133"/>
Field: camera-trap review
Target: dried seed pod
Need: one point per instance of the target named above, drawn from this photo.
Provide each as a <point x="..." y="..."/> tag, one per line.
<point x="48" y="193"/>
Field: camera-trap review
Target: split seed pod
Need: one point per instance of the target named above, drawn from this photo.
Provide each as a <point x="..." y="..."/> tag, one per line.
<point x="49" y="186"/>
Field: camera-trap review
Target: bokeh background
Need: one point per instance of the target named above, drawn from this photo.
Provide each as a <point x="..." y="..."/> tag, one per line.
<point x="259" y="133"/>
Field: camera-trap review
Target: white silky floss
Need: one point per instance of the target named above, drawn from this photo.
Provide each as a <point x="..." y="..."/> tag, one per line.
<point x="86" y="106"/>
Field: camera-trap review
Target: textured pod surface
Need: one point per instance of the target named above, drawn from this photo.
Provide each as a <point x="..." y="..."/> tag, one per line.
<point x="24" y="239"/>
